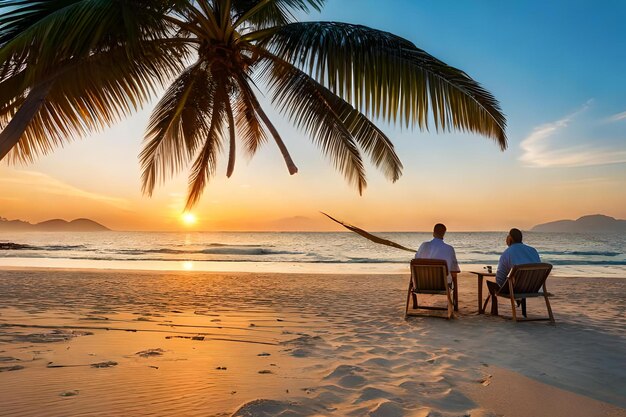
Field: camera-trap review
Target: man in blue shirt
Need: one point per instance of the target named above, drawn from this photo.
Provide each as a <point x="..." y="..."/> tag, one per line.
<point x="517" y="253"/>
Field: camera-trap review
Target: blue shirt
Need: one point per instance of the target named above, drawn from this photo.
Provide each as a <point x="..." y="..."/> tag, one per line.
<point x="438" y="249"/>
<point x="516" y="254"/>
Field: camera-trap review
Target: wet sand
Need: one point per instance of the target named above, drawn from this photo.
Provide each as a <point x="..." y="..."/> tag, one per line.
<point x="85" y="342"/>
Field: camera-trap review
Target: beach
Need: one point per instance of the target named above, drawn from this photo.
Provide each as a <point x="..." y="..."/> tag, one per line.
<point x="98" y="342"/>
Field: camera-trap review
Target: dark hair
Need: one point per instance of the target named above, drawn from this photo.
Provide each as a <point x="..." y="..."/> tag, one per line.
<point x="440" y="229"/>
<point x="516" y="235"/>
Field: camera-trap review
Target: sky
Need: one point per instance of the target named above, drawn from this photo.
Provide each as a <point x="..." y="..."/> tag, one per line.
<point x="556" y="67"/>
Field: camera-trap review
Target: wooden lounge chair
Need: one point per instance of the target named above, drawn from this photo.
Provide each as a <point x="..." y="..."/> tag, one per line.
<point x="524" y="281"/>
<point x="429" y="276"/>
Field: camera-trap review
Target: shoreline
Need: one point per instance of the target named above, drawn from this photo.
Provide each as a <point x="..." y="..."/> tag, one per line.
<point x="295" y="269"/>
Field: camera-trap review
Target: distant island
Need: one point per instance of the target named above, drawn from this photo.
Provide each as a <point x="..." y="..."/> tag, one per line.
<point x="54" y="225"/>
<point x="591" y="223"/>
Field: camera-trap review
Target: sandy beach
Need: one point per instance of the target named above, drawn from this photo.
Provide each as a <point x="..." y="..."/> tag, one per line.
<point x="97" y="342"/>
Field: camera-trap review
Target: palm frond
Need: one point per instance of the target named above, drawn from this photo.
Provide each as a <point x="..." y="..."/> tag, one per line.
<point x="51" y="32"/>
<point x="86" y="95"/>
<point x="388" y="77"/>
<point x="369" y="236"/>
<point x="249" y="127"/>
<point x="367" y="135"/>
<point x="205" y="164"/>
<point x="245" y="89"/>
<point x="302" y="101"/>
<point x="177" y="126"/>
<point x="267" y="13"/>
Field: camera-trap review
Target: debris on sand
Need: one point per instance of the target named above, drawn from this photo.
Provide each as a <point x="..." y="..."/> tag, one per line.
<point x="108" y="364"/>
<point x="71" y="393"/>
<point x="56" y="335"/>
<point x="485" y="381"/>
<point x="264" y="354"/>
<point x="150" y="352"/>
<point x="266" y="371"/>
<point x="11" y="368"/>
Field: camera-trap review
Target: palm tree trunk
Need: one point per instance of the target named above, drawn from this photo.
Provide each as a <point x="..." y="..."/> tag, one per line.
<point x="14" y="131"/>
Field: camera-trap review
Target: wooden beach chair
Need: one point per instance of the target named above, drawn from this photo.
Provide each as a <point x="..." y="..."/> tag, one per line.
<point x="524" y="281"/>
<point x="428" y="276"/>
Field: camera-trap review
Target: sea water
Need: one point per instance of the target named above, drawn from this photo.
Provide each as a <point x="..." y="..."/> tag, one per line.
<point x="572" y="254"/>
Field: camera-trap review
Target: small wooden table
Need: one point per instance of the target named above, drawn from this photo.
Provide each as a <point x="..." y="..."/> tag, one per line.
<point x="481" y="276"/>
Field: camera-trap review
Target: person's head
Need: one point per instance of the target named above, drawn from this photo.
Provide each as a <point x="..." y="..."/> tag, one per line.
<point x="514" y="236"/>
<point x="439" y="230"/>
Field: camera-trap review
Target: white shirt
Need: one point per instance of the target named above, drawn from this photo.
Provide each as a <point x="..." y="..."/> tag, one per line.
<point x="438" y="249"/>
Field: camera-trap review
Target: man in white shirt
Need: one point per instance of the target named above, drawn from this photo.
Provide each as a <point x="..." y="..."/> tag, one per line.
<point x="438" y="249"/>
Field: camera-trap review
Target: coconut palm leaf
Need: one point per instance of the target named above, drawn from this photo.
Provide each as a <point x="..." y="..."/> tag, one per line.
<point x="82" y="63"/>
<point x="369" y="137"/>
<point x="300" y="99"/>
<point x="387" y="77"/>
<point x="268" y="13"/>
<point x="248" y="125"/>
<point x="370" y="236"/>
<point x="71" y="67"/>
<point x="86" y="94"/>
<point x="177" y="126"/>
<point x="205" y="164"/>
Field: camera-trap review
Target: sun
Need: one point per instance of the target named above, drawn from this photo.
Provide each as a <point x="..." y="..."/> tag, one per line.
<point x="189" y="219"/>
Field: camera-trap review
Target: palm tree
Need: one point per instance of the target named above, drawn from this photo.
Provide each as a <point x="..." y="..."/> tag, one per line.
<point x="72" y="67"/>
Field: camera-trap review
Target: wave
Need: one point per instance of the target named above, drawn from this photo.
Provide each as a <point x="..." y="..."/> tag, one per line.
<point x="566" y="253"/>
<point x="213" y="249"/>
<point x="216" y="250"/>
<point x="292" y="259"/>
<point x="52" y="248"/>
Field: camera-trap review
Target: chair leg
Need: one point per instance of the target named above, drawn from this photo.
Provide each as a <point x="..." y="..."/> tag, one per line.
<point x="493" y="289"/>
<point x="545" y="295"/>
<point x="512" y="295"/>
<point x="486" y="302"/>
<point x="513" y="307"/>
<point x="450" y="304"/>
<point x="455" y="294"/>
<point x="524" y="307"/>
<point x="415" y="304"/>
<point x="408" y="298"/>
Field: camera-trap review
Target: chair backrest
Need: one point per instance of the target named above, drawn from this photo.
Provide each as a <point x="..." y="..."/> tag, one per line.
<point x="529" y="278"/>
<point x="429" y="274"/>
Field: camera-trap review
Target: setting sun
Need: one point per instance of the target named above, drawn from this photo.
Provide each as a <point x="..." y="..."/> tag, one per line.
<point x="189" y="219"/>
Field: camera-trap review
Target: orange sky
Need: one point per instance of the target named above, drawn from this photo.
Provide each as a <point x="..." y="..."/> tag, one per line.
<point x="566" y="156"/>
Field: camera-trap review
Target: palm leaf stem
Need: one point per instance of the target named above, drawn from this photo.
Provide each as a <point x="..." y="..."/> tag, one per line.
<point x="12" y="133"/>
<point x="243" y="84"/>
<point x="232" y="152"/>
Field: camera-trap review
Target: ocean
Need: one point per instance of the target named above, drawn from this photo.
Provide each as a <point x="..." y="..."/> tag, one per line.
<point x="572" y="254"/>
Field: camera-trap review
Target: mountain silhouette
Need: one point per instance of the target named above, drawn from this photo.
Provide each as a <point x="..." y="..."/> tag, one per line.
<point x="54" y="225"/>
<point x="590" y="223"/>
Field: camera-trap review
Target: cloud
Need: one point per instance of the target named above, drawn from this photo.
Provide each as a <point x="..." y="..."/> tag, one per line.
<point x="617" y="117"/>
<point x="42" y="183"/>
<point x="538" y="151"/>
